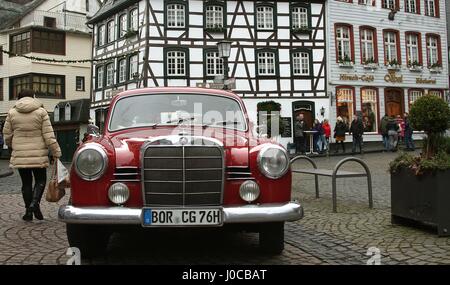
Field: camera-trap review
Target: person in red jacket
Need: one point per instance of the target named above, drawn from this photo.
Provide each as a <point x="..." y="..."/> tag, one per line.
<point x="327" y="133"/>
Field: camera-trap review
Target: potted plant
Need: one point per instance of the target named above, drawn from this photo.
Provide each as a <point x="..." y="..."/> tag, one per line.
<point x="370" y="63"/>
<point x="130" y="34"/>
<point x="217" y="28"/>
<point x="301" y="30"/>
<point x="393" y="64"/>
<point x="420" y="184"/>
<point x="435" y="67"/>
<point x="415" y="65"/>
<point x="272" y="111"/>
<point x="345" y="61"/>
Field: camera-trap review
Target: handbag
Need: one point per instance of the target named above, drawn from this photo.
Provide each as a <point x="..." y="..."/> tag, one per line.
<point x="54" y="193"/>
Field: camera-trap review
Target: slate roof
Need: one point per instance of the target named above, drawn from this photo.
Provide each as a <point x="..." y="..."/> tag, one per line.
<point x="109" y="8"/>
<point x="13" y="10"/>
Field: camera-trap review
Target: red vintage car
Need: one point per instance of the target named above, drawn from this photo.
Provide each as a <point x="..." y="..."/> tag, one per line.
<point x="178" y="157"/>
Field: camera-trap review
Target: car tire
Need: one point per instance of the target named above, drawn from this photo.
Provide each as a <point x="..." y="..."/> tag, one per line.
<point x="271" y="238"/>
<point x="91" y="240"/>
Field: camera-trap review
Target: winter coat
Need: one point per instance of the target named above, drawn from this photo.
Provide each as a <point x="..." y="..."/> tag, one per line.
<point x="383" y="125"/>
<point x="392" y="125"/>
<point x="340" y="129"/>
<point x="327" y="130"/>
<point x="319" y="130"/>
<point x="408" y="130"/>
<point x="29" y="133"/>
<point x="299" y="128"/>
<point x="357" y="128"/>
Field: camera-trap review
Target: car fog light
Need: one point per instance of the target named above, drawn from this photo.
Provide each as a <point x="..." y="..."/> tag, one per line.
<point x="249" y="191"/>
<point x="118" y="193"/>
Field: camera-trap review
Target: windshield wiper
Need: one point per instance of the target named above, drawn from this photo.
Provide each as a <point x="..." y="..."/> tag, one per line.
<point x="223" y="123"/>
<point x="180" y="121"/>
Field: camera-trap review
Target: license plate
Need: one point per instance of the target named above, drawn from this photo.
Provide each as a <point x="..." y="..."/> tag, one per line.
<point x="152" y="217"/>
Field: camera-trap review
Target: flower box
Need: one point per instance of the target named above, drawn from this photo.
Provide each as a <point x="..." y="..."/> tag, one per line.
<point x="393" y="66"/>
<point x="435" y="69"/>
<point x="215" y="30"/>
<point x="416" y="68"/>
<point x="302" y="30"/>
<point x="371" y="65"/>
<point x="346" y="64"/>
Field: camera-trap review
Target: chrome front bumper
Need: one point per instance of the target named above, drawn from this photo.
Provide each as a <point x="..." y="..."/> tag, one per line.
<point x="288" y="212"/>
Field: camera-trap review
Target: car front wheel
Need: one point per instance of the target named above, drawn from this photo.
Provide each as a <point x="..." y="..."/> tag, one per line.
<point x="91" y="240"/>
<point x="271" y="238"/>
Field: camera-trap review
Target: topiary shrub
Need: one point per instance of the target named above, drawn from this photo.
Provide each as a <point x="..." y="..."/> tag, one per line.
<point x="272" y="109"/>
<point x="430" y="114"/>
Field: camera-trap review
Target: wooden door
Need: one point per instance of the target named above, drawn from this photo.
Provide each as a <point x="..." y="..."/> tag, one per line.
<point x="394" y="102"/>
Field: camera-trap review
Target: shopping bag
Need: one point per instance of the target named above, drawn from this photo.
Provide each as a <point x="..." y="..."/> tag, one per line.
<point x="63" y="175"/>
<point x="54" y="193"/>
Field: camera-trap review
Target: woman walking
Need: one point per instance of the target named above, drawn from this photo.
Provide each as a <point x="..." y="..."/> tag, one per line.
<point x="29" y="133"/>
<point x="339" y="133"/>
<point x="327" y="134"/>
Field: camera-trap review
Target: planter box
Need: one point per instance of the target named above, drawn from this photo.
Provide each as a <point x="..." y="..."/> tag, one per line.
<point x="346" y="64"/>
<point x="421" y="199"/>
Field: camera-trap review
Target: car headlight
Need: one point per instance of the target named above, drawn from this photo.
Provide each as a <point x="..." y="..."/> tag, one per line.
<point x="273" y="161"/>
<point x="91" y="162"/>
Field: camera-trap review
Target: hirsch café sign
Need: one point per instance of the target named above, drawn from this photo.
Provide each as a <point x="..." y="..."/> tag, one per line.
<point x="391" y="77"/>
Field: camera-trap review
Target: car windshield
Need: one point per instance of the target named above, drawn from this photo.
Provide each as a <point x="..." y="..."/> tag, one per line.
<point x="177" y="109"/>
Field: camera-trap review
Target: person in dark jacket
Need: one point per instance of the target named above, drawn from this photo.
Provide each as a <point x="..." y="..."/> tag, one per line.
<point x="299" y="129"/>
<point x="339" y="133"/>
<point x="392" y="128"/>
<point x="409" y="142"/>
<point x="317" y="137"/>
<point x="384" y="132"/>
<point x="357" y="130"/>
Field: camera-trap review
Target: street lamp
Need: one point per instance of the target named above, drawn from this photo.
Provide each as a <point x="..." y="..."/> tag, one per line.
<point x="224" y="48"/>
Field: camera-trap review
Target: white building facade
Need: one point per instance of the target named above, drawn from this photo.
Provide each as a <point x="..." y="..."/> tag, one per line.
<point x="383" y="55"/>
<point x="48" y="29"/>
<point x="278" y="51"/>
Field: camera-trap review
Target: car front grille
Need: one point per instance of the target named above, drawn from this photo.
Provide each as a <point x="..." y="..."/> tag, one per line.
<point x="183" y="175"/>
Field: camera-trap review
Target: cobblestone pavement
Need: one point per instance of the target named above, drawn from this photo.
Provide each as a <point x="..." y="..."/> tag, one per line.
<point x="322" y="237"/>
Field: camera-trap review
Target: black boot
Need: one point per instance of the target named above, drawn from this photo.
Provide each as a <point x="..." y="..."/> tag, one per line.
<point x="27" y="197"/>
<point x="35" y="204"/>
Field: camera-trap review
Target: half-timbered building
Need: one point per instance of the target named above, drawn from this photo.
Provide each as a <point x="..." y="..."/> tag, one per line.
<point x="278" y="51"/>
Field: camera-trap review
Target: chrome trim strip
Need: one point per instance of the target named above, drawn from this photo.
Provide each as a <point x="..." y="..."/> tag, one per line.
<point x="288" y="212"/>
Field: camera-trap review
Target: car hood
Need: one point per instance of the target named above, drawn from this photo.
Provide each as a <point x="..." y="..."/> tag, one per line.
<point x="127" y="144"/>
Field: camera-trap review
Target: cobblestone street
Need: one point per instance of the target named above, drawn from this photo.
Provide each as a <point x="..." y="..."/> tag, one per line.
<point x="322" y="237"/>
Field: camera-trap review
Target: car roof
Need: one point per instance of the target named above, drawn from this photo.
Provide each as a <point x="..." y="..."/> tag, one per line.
<point x="177" y="90"/>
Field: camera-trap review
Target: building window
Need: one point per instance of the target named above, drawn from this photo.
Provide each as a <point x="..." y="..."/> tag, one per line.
<point x="110" y="32"/>
<point x="214" y="64"/>
<point x="123" y="25"/>
<point x="42" y="85"/>
<point x="133" y="67"/>
<point x="345" y="104"/>
<point x="369" y="108"/>
<point x="366" y="2"/>
<point x="122" y="70"/>
<point x="109" y="74"/>
<point x="176" y="63"/>
<point x="412" y="6"/>
<point x="437" y="93"/>
<point x="101" y="35"/>
<point x="432" y="8"/>
<point x="100" y="77"/>
<point x="266" y="63"/>
<point x="433" y="50"/>
<point x="48" y="42"/>
<point x="414" y="95"/>
<point x="79" y="83"/>
<point x="134" y="20"/>
<point x="176" y="14"/>
<point x="413" y="49"/>
<point x="368" y="46"/>
<point x="21" y="43"/>
<point x="67" y="112"/>
<point x="1" y="55"/>
<point x="214" y="17"/>
<point x="301" y="63"/>
<point x="391" y="50"/>
<point x="300" y="17"/>
<point x="265" y="18"/>
<point x="87" y="5"/>
<point x="344" y="43"/>
<point x="49" y="22"/>
<point x="389" y="4"/>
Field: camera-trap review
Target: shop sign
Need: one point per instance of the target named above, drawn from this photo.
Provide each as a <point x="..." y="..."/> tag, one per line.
<point x="420" y="80"/>
<point x="393" y="78"/>
<point x="356" y="77"/>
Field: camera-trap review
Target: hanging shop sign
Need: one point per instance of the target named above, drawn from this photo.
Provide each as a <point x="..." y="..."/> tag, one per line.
<point x="356" y="77"/>
<point x="421" y="80"/>
<point x="392" y="77"/>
